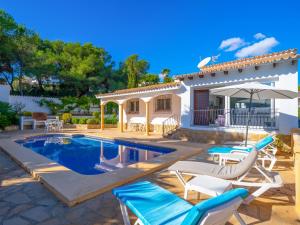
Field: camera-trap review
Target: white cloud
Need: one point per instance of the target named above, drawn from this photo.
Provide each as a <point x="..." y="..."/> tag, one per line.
<point x="259" y="36"/>
<point x="262" y="47"/>
<point x="232" y="44"/>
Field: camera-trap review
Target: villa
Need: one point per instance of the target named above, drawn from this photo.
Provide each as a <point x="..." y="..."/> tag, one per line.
<point x="188" y="104"/>
<point x="108" y="118"/>
<point x="93" y="171"/>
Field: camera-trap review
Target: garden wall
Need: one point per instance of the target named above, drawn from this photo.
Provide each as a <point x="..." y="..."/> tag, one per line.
<point x="31" y="103"/>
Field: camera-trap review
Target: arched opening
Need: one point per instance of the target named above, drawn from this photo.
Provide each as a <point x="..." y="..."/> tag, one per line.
<point x="110" y="114"/>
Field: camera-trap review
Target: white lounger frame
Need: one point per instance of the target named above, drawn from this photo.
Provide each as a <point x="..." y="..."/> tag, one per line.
<point x="273" y="180"/>
<point x="217" y="216"/>
<point x="268" y="153"/>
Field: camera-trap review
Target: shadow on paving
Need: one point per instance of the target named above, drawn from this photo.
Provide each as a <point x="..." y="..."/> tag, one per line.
<point x="24" y="200"/>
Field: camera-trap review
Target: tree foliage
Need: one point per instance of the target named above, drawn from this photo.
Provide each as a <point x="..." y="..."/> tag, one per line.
<point x="30" y="64"/>
<point x="149" y="79"/>
<point x="166" y="78"/>
<point x="134" y="68"/>
<point x="34" y="66"/>
<point x="69" y="103"/>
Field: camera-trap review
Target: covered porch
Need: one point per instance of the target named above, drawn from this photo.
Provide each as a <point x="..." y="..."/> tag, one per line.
<point x="211" y="111"/>
<point x="155" y="108"/>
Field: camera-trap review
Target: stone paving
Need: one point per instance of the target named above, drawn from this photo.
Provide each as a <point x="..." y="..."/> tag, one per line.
<point x="24" y="200"/>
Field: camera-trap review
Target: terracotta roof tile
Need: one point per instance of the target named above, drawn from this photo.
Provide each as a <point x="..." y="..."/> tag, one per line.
<point x="246" y="62"/>
<point x="142" y="89"/>
<point x="236" y="64"/>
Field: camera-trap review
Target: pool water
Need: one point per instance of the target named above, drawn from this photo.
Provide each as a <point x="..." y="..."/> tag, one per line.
<point x="90" y="156"/>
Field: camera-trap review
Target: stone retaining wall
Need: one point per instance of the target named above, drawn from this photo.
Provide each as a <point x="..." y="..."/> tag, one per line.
<point x="220" y="137"/>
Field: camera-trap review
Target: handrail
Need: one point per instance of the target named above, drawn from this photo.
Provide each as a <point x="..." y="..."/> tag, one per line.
<point x="260" y="117"/>
<point x="170" y="124"/>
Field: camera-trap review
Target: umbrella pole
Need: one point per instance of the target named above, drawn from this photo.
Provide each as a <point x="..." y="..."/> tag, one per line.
<point x="248" y="119"/>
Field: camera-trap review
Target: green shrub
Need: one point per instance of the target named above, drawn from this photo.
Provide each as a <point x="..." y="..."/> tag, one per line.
<point x="7" y="111"/>
<point x="82" y="120"/>
<point x="111" y="120"/>
<point x="281" y="145"/>
<point x="26" y="113"/>
<point x="53" y="106"/>
<point x="5" y="108"/>
<point x="18" y="107"/>
<point x="96" y="115"/>
<point x="93" y="121"/>
<point x="66" y="117"/>
<point x="75" y="120"/>
<point x="4" y="121"/>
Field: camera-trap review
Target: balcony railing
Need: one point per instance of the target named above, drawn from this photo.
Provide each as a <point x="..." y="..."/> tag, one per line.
<point x="259" y="117"/>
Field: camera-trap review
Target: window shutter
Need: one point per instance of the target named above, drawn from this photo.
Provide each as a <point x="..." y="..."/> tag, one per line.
<point x="137" y="106"/>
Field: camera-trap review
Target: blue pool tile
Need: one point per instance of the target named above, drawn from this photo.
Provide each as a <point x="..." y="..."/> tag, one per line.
<point x="89" y="155"/>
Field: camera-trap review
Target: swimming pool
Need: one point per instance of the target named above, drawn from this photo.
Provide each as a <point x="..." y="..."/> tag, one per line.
<point x="89" y="155"/>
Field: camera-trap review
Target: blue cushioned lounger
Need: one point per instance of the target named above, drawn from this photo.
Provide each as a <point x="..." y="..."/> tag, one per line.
<point x="154" y="205"/>
<point x="226" y="149"/>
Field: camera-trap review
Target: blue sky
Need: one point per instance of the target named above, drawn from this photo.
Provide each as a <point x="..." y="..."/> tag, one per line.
<point x="168" y="33"/>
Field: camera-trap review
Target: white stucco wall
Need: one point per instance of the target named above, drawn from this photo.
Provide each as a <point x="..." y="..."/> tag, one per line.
<point x="287" y="108"/>
<point x="4" y="93"/>
<point x="186" y="105"/>
<point x="31" y="103"/>
<point x="284" y="75"/>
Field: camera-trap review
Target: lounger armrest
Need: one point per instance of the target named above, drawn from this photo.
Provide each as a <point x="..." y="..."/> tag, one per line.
<point x="232" y="143"/>
<point x="241" y="149"/>
<point x="242" y="152"/>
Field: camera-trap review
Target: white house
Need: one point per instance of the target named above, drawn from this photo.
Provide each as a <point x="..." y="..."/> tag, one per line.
<point x="187" y="103"/>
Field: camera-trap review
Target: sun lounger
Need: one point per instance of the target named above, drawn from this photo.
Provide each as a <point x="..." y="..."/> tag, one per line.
<point x="154" y="205"/>
<point x="237" y="153"/>
<point x="236" y="173"/>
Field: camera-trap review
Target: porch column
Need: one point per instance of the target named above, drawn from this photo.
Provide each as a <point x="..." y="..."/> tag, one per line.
<point x="147" y="119"/>
<point x="227" y="111"/>
<point x="121" y="117"/>
<point x="296" y="147"/>
<point x="102" y="115"/>
<point x="147" y="100"/>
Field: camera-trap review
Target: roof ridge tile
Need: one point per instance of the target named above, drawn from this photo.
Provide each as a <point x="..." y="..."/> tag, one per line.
<point x="145" y="88"/>
<point x="244" y="62"/>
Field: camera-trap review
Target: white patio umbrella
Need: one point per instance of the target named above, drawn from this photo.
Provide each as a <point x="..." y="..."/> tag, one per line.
<point x="253" y="90"/>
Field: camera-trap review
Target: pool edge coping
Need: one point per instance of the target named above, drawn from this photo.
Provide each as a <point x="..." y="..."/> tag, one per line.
<point x="77" y="192"/>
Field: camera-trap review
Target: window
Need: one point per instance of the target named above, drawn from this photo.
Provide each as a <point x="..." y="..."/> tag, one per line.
<point x="244" y="103"/>
<point x="262" y="114"/>
<point x="133" y="106"/>
<point x="163" y="103"/>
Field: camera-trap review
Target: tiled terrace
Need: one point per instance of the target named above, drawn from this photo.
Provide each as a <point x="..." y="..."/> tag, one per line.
<point x="24" y="200"/>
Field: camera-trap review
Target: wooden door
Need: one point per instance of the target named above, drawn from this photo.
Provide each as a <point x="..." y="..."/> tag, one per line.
<point x="201" y="105"/>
